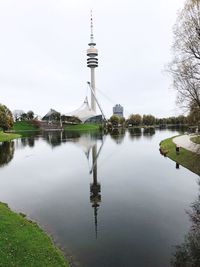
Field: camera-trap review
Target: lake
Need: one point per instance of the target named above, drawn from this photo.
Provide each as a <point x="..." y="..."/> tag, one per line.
<point x="107" y="200"/>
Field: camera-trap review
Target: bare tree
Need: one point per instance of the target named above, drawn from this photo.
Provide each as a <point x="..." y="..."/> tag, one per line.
<point x="30" y="115"/>
<point x="17" y="114"/>
<point x="185" y="67"/>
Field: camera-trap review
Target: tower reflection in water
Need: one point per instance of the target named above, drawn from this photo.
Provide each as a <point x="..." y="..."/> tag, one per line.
<point x="95" y="188"/>
<point x="89" y="144"/>
<point x="92" y="154"/>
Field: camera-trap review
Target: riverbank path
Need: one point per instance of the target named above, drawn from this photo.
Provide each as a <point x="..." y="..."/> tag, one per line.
<point x="185" y="142"/>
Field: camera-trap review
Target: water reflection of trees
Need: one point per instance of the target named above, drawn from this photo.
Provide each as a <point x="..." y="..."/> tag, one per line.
<point x="118" y="134"/>
<point x="56" y="138"/>
<point x="179" y="128"/>
<point x="188" y="254"/>
<point x="7" y="150"/>
<point x="149" y="131"/>
<point x="135" y="133"/>
<point x="28" y="141"/>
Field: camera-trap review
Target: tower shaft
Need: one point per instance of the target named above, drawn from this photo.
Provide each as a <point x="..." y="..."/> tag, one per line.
<point x="94" y="158"/>
<point x="93" y="101"/>
<point x="92" y="63"/>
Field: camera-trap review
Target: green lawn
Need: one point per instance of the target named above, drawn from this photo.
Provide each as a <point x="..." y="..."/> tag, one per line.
<point x="195" y="139"/>
<point x="24" y="244"/>
<point x="8" y="136"/>
<point x="82" y="127"/>
<point x="185" y="158"/>
<point x="24" y="126"/>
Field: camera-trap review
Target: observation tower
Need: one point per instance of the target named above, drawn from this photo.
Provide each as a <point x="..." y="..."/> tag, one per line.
<point x="92" y="63"/>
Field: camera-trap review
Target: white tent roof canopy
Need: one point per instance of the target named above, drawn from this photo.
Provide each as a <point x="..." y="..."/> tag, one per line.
<point x="84" y="112"/>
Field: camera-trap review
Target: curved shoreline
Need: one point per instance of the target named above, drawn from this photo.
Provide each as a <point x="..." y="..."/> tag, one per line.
<point x="185" y="158"/>
<point x="4" y="137"/>
<point x="185" y="142"/>
<point x="25" y="243"/>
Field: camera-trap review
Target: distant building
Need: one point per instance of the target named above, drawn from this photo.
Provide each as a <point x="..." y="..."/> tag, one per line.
<point x="118" y="110"/>
<point x="52" y="115"/>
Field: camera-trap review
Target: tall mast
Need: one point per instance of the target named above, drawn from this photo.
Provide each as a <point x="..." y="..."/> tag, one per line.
<point x="92" y="63"/>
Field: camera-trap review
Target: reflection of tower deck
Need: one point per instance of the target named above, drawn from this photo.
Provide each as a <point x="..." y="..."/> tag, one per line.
<point x="95" y="199"/>
<point x="95" y="187"/>
<point x="92" y="63"/>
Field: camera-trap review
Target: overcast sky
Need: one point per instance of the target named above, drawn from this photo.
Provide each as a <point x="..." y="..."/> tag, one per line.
<point x="43" y="54"/>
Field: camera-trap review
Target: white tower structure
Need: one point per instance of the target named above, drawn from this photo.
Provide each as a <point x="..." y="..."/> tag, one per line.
<point x="92" y="63"/>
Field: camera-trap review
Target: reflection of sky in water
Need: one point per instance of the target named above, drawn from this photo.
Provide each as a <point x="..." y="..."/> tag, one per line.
<point x="141" y="213"/>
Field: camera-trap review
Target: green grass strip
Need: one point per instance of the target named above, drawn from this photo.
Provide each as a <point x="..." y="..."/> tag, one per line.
<point x="82" y="127"/>
<point x="8" y="136"/>
<point x="185" y="158"/>
<point x="24" y="244"/>
<point x="195" y="139"/>
<point x="24" y="126"/>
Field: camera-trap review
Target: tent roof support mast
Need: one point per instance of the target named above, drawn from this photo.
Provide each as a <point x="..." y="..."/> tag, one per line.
<point x="97" y="101"/>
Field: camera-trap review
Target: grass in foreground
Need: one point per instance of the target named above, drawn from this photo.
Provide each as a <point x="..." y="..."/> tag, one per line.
<point x="196" y="139"/>
<point x="185" y="158"/>
<point x="8" y="136"/>
<point x="23" y="243"/>
<point x="24" y="126"/>
<point x="82" y="127"/>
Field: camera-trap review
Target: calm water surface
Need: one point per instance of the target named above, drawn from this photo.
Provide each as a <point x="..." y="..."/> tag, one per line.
<point x="109" y="201"/>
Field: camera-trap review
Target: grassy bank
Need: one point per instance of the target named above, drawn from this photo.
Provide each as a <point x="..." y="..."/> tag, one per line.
<point x="8" y="136"/>
<point x="195" y="139"/>
<point x="82" y="127"/>
<point x="185" y="158"/>
<point x="20" y="126"/>
<point x="23" y="243"/>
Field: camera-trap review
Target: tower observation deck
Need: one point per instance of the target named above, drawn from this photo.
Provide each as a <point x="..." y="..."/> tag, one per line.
<point x="92" y="63"/>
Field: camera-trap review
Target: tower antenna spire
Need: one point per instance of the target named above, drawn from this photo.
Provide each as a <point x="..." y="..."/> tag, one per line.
<point x="91" y="27"/>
